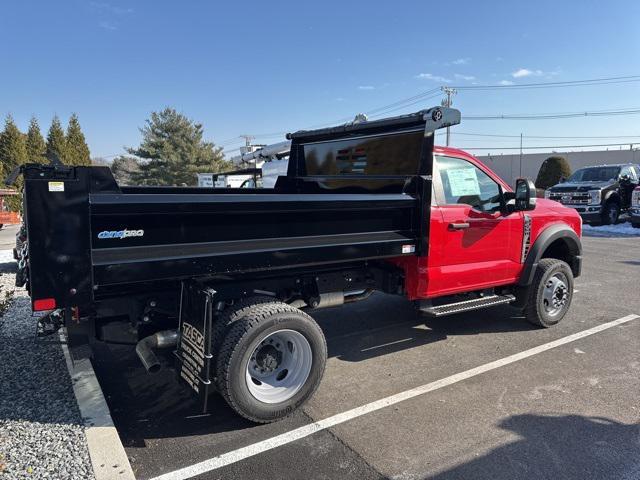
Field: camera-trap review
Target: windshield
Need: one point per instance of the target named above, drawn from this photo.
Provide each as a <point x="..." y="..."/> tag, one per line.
<point x="595" y="174"/>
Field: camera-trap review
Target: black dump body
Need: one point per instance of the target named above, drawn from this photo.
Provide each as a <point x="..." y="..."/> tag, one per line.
<point x="352" y="193"/>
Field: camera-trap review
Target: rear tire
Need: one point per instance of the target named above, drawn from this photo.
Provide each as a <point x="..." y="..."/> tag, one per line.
<point x="271" y="361"/>
<point x="550" y="293"/>
<point x="610" y="213"/>
<point x="230" y="315"/>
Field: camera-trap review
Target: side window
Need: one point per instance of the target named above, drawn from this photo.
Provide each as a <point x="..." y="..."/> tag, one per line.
<point x="464" y="183"/>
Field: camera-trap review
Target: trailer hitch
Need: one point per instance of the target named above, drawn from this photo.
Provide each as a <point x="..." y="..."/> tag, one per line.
<point x="50" y="323"/>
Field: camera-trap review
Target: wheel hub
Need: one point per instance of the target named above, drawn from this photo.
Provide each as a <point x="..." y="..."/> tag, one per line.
<point x="556" y="294"/>
<point x="279" y="366"/>
<point x="268" y="358"/>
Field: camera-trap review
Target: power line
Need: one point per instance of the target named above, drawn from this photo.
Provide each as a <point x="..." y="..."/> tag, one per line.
<point x="420" y="96"/>
<point x="536" y="147"/>
<point x="402" y="106"/>
<point x="552" y="116"/>
<point x="469" y="134"/>
<point x="428" y="94"/>
<point x="568" y="83"/>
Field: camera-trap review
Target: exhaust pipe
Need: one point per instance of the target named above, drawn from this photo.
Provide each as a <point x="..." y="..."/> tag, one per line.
<point x="333" y="299"/>
<point x="356" y="297"/>
<point x="145" y="347"/>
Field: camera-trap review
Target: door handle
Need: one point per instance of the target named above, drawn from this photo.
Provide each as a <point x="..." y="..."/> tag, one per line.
<point x="459" y="226"/>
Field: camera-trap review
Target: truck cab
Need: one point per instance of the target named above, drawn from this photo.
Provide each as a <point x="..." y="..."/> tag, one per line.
<point x="478" y="240"/>
<point x="598" y="193"/>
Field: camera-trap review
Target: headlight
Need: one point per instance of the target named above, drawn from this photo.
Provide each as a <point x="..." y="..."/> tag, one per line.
<point x="594" y="197"/>
<point x="547" y="193"/>
<point x="635" y="198"/>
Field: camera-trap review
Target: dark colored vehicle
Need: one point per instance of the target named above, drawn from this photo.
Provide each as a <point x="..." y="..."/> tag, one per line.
<point x="599" y="194"/>
<point x="226" y="278"/>
<point x="634" y="211"/>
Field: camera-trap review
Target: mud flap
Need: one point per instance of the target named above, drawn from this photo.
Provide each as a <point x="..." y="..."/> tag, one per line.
<point x="193" y="353"/>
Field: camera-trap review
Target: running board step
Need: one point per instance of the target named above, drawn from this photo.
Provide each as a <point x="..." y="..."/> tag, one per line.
<point x="468" y="305"/>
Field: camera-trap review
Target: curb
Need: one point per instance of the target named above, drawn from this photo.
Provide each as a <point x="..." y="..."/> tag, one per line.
<point x="108" y="457"/>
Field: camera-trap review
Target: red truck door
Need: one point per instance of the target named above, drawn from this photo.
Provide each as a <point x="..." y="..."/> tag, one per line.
<point x="474" y="244"/>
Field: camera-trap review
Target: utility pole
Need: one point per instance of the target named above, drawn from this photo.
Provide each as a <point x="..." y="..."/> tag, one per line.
<point x="521" y="155"/>
<point x="247" y="139"/>
<point x="449" y="92"/>
<point x="247" y="143"/>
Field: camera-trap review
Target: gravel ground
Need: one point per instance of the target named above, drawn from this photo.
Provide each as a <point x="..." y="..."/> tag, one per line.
<point x="41" y="431"/>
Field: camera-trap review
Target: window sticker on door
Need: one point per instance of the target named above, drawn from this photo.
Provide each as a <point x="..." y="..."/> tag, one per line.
<point x="463" y="181"/>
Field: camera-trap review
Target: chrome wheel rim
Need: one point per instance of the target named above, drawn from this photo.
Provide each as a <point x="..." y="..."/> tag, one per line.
<point x="279" y="366"/>
<point x="555" y="294"/>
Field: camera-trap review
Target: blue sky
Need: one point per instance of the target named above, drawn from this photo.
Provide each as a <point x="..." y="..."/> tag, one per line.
<point x="266" y="67"/>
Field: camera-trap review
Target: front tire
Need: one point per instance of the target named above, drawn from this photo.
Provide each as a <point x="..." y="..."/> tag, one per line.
<point x="271" y="361"/>
<point x="550" y="293"/>
<point x="610" y="213"/>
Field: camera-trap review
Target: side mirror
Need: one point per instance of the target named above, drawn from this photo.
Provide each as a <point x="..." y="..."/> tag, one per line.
<point x="525" y="192"/>
<point x="562" y="179"/>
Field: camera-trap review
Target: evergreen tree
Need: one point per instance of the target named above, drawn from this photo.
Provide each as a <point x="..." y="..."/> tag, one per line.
<point x="36" y="148"/>
<point x="126" y="170"/>
<point x="13" y="152"/>
<point x="551" y="170"/>
<point x="77" y="150"/>
<point x="175" y="151"/>
<point x="56" y="141"/>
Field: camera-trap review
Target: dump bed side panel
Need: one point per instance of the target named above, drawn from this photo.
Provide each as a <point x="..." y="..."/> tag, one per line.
<point x="176" y="236"/>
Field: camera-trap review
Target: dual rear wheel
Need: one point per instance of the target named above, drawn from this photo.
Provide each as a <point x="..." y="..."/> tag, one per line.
<point x="271" y="358"/>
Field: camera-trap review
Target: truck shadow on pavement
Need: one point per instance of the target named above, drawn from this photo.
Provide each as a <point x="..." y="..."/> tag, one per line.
<point x="386" y="324"/>
<point x="147" y="406"/>
<point x="567" y="446"/>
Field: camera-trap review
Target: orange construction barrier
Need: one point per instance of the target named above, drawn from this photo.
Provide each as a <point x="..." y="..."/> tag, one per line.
<point x="7" y="217"/>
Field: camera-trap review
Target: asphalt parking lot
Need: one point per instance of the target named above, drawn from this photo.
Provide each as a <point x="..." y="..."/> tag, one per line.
<point x="570" y="412"/>
<point x="8" y="237"/>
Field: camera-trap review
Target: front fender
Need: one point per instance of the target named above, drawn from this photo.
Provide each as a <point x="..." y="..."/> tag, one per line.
<point x="544" y="240"/>
<point x="611" y="195"/>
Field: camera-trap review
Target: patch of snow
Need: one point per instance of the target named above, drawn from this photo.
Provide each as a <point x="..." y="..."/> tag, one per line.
<point x="621" y="229"/>
<point x="6" y="256"/>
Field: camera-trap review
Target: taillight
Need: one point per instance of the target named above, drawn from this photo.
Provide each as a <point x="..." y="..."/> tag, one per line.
<point x="635" y="197"/>
<point x="44" y="304"/>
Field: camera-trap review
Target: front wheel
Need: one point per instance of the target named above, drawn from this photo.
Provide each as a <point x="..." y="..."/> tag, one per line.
<point x="271" y="361"/>
<point x="550" y="293"/>
<point x="610" y="213"/>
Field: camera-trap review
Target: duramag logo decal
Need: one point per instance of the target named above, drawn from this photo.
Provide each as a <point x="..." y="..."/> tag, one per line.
<point x="120" y="234"/>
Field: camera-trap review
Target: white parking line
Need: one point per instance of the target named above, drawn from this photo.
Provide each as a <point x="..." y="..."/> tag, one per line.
<point x="302" y="432"/>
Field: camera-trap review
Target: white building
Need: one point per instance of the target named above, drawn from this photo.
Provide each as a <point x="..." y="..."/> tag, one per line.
<point x="509" y="166"/>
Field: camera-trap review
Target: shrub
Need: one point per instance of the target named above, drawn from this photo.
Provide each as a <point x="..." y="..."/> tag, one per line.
<point x="551" y="170"/>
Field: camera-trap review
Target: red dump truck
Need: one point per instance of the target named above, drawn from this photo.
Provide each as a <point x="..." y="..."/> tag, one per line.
<point x="227" y="279"/>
